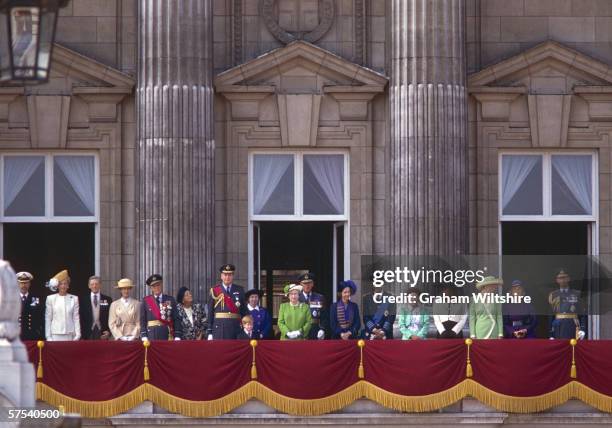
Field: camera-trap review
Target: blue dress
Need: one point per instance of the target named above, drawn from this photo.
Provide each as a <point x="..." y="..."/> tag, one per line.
<point x="262" y="322"/>
<point x="345" y="318"/>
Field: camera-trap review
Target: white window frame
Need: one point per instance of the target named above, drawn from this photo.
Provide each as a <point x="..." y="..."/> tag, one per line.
<point x="49" y="199"/>
<point x="298" y="187"/>
<point x="547" y="187"/>
<point x="49" y="208"/>
<point x="547" y="206"/>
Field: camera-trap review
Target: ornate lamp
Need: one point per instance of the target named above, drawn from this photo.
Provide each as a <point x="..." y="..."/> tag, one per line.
<point x="27" y="31"/>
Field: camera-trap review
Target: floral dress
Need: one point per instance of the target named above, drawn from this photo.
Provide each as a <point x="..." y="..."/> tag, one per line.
<point x="193" y="321"/>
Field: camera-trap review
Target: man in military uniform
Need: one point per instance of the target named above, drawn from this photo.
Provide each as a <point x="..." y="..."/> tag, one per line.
<point x="568" y="319"/>
<point x="318" y="308"/>
<point x="378" y="318"/>
<point x="31" y="318"/>
<point x="158" y="314"/>
<point x="226" y="306"/>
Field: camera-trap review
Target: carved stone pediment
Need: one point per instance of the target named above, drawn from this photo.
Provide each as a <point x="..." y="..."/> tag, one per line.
<point x="549" y="68"/>
<point x="80" y="91"/>
<point x="551" y="87"/>
<point x="299" y="67"/>
<point x="288" y="86"/>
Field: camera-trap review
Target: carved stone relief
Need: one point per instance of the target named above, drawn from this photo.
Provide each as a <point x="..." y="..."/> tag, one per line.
<point x="298" y="20"/>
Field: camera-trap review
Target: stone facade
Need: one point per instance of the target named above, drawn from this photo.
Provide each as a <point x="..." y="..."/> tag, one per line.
<point x="519" y="65"/>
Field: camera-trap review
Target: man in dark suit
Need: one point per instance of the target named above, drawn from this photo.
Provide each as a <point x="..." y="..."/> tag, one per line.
<point x="158" y="314"/>
<point x="226" y="306"/>
<point x="93" y="312"/>
<point x="31" y="318"/>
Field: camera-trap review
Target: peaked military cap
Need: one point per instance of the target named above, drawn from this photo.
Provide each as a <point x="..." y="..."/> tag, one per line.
<point x="154" y="279"/>
<point x="228" y="268"/>
<point x="307" y="277"/>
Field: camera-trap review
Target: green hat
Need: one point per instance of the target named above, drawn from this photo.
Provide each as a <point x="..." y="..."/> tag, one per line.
<point x="489" y="280"/>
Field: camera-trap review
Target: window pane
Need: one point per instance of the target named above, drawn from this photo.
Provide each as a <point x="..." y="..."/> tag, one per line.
<point x="572" y="192"/>
<point x="324" y="184"/>
<point x="273" y="184"/>
<point x="74" y="186"/>
<point x="521" y="185"/>
<point x="24" y="186"/>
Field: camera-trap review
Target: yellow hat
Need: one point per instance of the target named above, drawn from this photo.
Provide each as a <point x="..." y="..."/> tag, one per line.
<point x="489" y="280"/>
<point x="125" y="283"/>
<point x="62" y="276"/>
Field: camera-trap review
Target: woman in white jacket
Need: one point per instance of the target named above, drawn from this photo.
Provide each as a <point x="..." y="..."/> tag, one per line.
<point x="62" y="311"/>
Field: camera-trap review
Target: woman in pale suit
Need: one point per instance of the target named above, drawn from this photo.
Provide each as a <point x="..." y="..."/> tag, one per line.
<point x="124" y="313"/>
<point x="62" y="311"/>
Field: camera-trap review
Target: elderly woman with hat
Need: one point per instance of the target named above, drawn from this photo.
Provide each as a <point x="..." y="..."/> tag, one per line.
<point x="62" y="320"/>
<point x="519" y="318"/>
<point x="294" y="318"/>
<point x="345" y="321"/>
<point x="413" y="318"/>
<point x="486" y="317"/>
<point x="262" y="321"/>
<point x="124" y="313"/>
<point x="191" y="315"/>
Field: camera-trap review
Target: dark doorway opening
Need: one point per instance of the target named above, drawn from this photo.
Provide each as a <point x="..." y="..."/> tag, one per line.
<point x="43" y="249"/>
<point x="534" y="251"/>
<point x="285" y="250"/>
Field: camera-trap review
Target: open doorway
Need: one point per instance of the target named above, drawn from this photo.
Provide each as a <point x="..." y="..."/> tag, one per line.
<point x="283" y="250"/>
<point x="44" y="249"/>
<point x="534" y="251"/>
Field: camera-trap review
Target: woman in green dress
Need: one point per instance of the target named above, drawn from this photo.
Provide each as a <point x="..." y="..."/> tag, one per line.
<point x="294" y="319"/>
<point x="486" y="318"/>
<point x="413" y="318"/>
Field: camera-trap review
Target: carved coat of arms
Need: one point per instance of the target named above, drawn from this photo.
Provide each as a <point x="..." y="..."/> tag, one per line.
<point x="290" y="20"/>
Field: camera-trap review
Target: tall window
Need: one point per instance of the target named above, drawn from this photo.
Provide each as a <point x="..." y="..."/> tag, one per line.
<point x="48" y="187"/>
<point x="298" y="185"/>
<point x="559" y="186"/>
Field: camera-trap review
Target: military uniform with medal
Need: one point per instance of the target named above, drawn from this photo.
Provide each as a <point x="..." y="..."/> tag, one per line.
<point x="158" y="314"/>
<point x="226" y="306"/>
<point x="318" y="307"/>
<point x="568" y="320"/>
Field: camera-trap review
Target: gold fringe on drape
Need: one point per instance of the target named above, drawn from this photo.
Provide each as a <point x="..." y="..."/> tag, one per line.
<point x="92" y="409"/>
<point x="202" y="409"/>
<point x="508" y="403"/>
<point x="591" y="397"/>
<point x="312" y="407"/>
<point x="414" y="403"/>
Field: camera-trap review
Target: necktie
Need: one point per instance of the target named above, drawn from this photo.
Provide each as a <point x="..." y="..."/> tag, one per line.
<point x="96" y="300"/>
<point x="23" y="298"/>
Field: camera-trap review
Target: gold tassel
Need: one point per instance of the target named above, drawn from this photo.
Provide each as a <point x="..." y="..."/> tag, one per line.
<point x="253" y="366"/>
<point x="573" y="343"/>
<point x="468" y="369"/>
<point x="147" y="375"/>
<point x="361" y="371"/>
<point x="39" y="370"/>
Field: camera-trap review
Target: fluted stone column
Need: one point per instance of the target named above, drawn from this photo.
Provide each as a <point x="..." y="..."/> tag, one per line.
<point x="175" y="154"/>
<point x="428" y="128"/>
